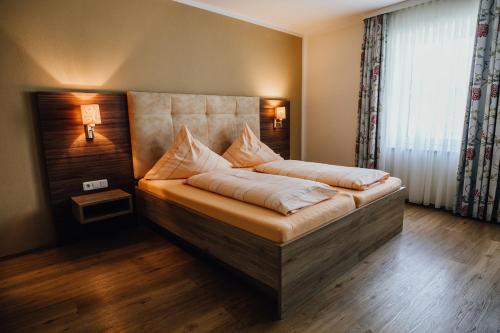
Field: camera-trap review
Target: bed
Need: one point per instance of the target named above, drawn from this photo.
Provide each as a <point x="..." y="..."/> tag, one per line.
<point x="291" y="258"/>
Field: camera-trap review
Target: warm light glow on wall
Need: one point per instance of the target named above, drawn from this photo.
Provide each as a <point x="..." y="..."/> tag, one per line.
<point x="84" y="96"/>
<point x="273" y="103"/>
<point x="100" y="143"/>
<point x="270" y="87"/>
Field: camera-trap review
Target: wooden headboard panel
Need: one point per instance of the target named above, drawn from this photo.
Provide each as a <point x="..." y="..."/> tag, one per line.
<point x="70" y="159"/>
<point x="276" y="138"/>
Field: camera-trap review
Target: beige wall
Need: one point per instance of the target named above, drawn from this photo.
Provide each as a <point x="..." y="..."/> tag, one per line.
<point x="117" y="45"/>
<point x="332" y="65"/>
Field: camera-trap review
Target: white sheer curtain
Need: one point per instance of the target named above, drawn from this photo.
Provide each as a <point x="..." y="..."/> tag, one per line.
<point x="428" y="64"/>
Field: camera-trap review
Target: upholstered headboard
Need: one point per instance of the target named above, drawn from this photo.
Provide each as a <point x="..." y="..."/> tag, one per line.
<point x="155" y="119"/>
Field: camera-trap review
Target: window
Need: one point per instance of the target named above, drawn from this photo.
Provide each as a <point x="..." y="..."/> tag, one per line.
<point x="428" y="64"/>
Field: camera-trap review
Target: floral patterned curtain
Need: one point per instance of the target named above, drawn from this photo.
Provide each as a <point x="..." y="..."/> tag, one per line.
<point x="370" y="103"/>
<point x="478" y="193"/>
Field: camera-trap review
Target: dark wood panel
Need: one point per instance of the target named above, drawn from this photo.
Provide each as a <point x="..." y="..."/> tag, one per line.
<point x="278" y="139"/>
<point x="70" y="159"/>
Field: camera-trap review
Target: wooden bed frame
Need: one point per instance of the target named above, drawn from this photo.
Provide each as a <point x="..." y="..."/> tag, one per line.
<point x="292" y="273"/>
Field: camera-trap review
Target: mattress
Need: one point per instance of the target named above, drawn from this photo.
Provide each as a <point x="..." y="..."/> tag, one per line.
<point x="254" y="219"/>
<point x="374" y="192"/>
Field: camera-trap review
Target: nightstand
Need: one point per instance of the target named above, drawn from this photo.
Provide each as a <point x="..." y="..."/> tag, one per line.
<point x="94" y="207"/>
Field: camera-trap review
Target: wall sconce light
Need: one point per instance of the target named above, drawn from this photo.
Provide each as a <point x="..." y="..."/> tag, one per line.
<point x="279" y="116"/>
<point x="91" y="116"/>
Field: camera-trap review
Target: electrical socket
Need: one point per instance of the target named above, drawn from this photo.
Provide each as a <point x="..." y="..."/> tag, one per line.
<point x="88" y="186"/>
<point x="95" y="184"/>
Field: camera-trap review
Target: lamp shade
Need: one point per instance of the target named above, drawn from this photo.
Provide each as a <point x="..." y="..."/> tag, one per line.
<point x="280" y="113"/>
<point x="90" y="114"/>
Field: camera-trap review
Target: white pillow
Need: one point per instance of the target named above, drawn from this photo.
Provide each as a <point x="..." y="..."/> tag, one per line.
<point x="185" y="158"/>
<point x="248" y="151"/>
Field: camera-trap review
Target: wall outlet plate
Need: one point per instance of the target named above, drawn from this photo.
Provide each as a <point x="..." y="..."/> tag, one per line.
<point x="103" y="183"/>
<point x="95" y="184"/>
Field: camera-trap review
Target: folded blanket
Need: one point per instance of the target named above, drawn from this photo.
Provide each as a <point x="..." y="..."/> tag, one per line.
<point x="282" y="194"/>
<point x="334" y="175"/>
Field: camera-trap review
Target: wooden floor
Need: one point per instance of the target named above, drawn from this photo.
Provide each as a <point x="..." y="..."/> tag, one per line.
<point x="441" y="275"/>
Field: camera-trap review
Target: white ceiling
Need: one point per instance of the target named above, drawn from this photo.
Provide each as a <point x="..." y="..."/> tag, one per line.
<point x="294" y="16"/>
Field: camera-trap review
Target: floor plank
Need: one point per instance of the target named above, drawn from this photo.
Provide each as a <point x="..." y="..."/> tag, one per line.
<point x="442" y="274"/>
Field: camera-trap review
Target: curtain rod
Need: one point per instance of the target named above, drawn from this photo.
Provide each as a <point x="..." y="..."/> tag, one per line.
<point x="395" y="7"/>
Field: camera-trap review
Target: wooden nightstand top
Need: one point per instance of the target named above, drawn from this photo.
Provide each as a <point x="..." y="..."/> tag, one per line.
<point x="93" y="198"/>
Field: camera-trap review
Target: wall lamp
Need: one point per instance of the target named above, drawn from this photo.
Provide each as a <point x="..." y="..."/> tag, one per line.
<point x="91" y="116"/>
<point x="279" y="116"/>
